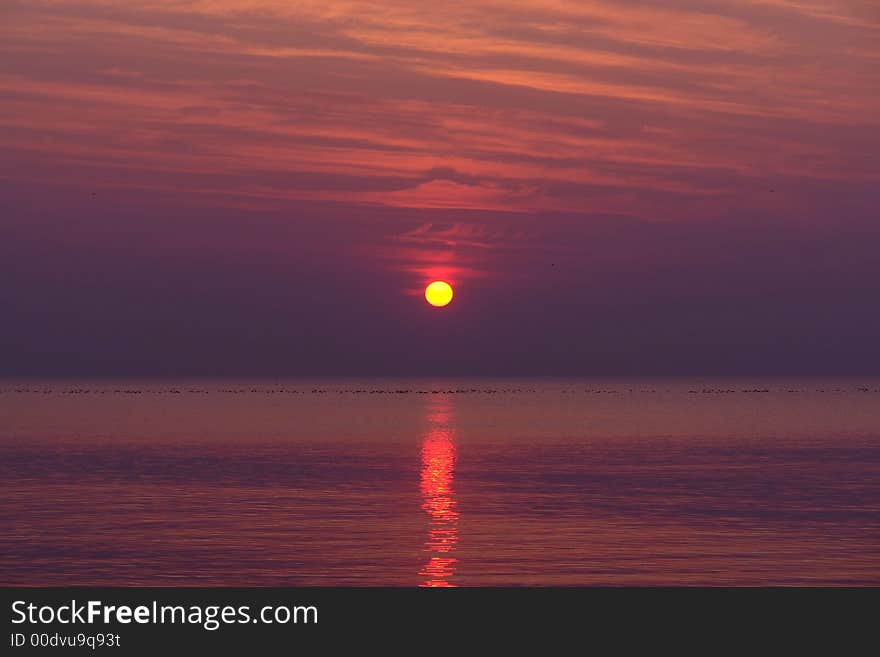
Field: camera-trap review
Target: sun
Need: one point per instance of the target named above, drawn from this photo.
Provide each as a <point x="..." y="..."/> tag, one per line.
<point x="438" y="293"/>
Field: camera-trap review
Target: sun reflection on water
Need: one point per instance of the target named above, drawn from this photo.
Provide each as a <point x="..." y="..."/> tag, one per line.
<point x="438" y="471"/>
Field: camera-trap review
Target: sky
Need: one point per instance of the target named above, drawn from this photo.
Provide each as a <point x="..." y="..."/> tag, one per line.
<point x="265" y="187"/>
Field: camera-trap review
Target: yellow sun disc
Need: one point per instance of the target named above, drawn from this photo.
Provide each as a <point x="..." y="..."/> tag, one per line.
<point x="438" y="293"/>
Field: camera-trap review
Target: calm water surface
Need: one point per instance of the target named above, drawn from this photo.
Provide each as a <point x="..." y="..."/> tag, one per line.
<point x="440" y="483"/>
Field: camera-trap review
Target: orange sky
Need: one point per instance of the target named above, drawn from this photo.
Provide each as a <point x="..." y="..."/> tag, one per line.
<point x="477" y="139"/>
<point x="664" y="110"/>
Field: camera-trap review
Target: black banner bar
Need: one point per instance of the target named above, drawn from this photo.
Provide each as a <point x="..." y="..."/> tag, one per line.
<point x="117" y="621"/>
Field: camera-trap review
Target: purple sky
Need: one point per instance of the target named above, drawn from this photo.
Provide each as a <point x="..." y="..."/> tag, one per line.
<point x="254" y="187"/>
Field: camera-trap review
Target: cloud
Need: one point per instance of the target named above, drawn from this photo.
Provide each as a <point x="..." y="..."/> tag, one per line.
<point x="650" y="109"/>
<point x="450" y="194"/>
<point x="460" y="234"/>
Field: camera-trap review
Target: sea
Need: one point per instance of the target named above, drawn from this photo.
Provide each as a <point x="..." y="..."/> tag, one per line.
<point x="441" y="482"/>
